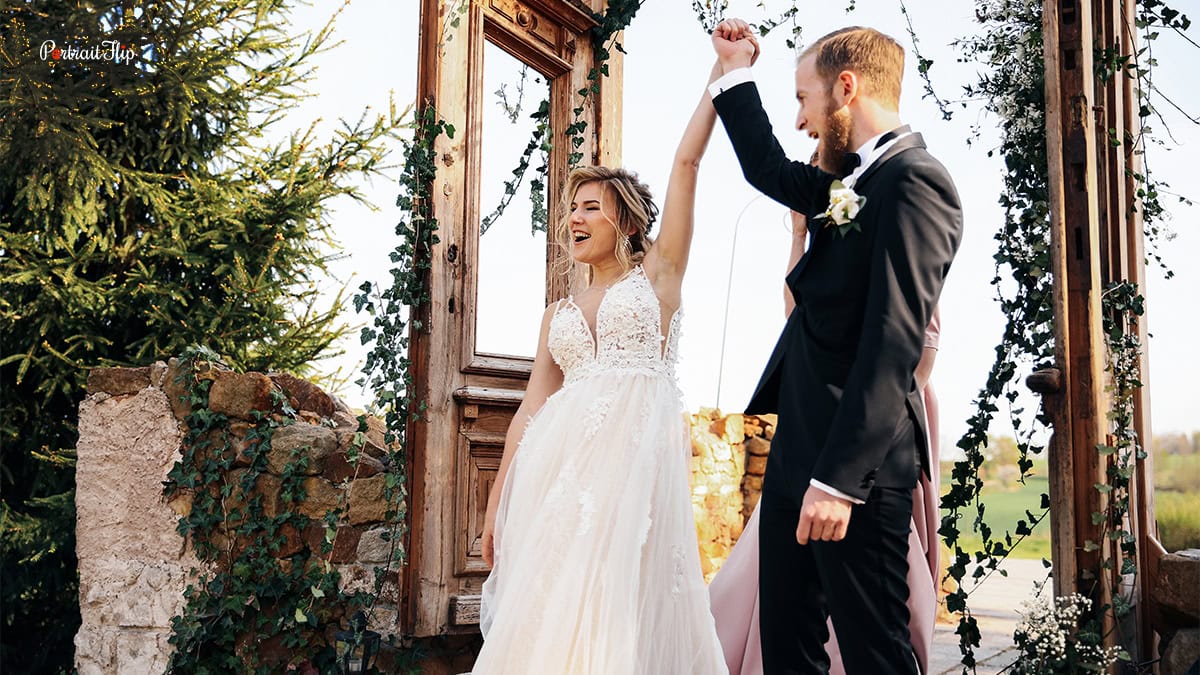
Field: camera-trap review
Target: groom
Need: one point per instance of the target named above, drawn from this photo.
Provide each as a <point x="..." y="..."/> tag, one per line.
<point x="850" y="440"/>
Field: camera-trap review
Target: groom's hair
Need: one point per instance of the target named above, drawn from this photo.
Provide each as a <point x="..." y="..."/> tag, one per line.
<point x="876" y="58"/>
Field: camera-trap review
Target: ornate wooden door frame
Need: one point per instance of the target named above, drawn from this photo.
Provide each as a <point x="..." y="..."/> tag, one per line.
<point x="454" y="450"/>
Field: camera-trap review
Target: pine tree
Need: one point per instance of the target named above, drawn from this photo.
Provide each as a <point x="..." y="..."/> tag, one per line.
<point x="142" y="210"/>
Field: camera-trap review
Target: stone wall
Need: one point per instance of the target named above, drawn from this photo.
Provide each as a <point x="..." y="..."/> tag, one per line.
<point x="133" y="567"/>
<point x="729" y="455"/>
<point x="1175" y="612"/>
<point x="133" y="564"/>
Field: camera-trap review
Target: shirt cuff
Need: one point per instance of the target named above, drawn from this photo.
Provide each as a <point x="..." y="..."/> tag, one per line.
<point x="835" y="492"/>
<point x="730" y="80"/>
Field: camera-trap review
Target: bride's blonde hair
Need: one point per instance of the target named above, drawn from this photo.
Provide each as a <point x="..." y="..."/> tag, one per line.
<point x="635" y="213"/>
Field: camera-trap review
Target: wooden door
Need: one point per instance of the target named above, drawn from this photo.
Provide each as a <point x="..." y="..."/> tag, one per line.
<point x="474" y="354"/>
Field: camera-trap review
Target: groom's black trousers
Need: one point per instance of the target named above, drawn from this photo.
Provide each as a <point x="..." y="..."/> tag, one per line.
<point x="861" y="581"/>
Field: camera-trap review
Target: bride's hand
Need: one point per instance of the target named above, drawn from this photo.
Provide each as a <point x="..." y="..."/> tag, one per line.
<point x="489" y="540"/>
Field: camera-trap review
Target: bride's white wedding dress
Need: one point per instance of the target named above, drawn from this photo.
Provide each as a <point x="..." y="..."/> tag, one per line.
<point x="597" y="569"/>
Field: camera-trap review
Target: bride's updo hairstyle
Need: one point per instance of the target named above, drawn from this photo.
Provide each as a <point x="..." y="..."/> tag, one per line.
<point x="626" y="200"/>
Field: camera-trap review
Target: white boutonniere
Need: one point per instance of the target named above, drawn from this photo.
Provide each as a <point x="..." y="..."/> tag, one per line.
<point x="844" y="205"/>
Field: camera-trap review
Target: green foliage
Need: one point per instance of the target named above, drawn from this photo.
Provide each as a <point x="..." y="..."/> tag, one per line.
<point x="540" y="142"/>
<point x="141" y="211"/>
<point x="248" y="596"/>
<point x="1178" y="515"/>
<point x="1176" y="472"/>
<point x="1122" y="305"/>
<point x="1013" y="89"/>
<point x="615" y="19"/>
<point x="1013" y="504"/>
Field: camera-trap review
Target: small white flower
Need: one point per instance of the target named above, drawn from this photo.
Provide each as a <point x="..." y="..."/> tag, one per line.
<point x="844" y="205"/>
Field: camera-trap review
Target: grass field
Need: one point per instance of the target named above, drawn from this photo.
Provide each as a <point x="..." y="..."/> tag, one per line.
<point x="1177" y="508"/>
<point x="1002" y="510"/>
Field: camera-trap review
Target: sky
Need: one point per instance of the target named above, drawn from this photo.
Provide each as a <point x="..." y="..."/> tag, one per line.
<point x="666" y="68"/>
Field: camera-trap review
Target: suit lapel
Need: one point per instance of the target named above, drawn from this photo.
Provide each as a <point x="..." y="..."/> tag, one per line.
<point x="913" y="140"/>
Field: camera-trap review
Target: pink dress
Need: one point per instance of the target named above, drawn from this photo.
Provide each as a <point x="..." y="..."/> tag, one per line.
<point x="734" y="591"/>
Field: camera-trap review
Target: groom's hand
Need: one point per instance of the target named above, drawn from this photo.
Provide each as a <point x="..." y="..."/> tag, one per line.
<point x="823" y="517"/>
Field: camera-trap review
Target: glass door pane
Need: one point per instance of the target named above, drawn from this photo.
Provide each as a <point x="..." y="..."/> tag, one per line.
<point x="511" y="279"/>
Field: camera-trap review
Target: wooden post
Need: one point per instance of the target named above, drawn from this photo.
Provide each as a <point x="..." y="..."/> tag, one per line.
<point x="1142" y="495"/>
<point x="444" y="51"/>
<point x="1075" y="242"/>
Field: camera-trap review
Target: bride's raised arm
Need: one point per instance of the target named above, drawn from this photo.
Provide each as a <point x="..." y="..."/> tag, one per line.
<point x="667" y="259"/>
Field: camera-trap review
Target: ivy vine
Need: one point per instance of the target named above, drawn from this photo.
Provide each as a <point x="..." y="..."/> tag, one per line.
<point x="540" y="142"/>
<point x="248" y="594"/>
<point x="395" y="311"/>
<point x="1013" y="90"/>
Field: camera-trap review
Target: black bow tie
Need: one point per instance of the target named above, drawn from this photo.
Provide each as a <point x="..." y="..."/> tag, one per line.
<point x="852" y="160"/>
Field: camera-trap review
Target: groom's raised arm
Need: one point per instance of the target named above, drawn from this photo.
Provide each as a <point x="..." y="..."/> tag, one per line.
<point x="799" y="186"/>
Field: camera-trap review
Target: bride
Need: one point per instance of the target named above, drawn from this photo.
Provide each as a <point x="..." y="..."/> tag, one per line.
<point x="589" y="527"/>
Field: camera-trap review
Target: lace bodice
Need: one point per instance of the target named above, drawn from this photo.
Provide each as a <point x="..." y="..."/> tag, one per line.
<point x="628" y="333"/>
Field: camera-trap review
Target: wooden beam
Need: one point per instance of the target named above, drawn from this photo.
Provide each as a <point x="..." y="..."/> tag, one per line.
<point x="444" y="73"/>
<point x="1079" y="348"/>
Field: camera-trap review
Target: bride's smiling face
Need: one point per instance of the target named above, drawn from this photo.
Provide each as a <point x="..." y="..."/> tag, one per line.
<point x="593" y="231"/>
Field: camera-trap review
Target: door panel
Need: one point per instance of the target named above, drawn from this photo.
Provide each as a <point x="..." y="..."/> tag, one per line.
<point x="474" y="353"/>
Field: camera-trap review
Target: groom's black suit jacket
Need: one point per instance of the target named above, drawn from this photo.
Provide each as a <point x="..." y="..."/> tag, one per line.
<point x="841" y="375"/>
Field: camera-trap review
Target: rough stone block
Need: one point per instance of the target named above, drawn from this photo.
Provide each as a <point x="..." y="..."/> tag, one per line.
<point x="243" y="453"/>
<point x="355" y="579"/>
<point x="376" y="545"/>
<point x="176" y="389"/>
<point x="317" y="443"/>
<point x="290" y="541"/>
<point x="338" y="467"/>
<point x="142" y="653"/>
<point x="1178" y="586"/>
<point x="321" y="497"/>
<point x="127" y="446"/>
<point x="731" y="428"/>
<point x="307" y="395"/>
<point x="756" y="465"/>
<point x="758" y="446"/>
<point x="240" y="394"/>
<point x="265" y="485"/>
<point x="376" y="435"/>
<point x="118" y="381"/>
<point x="95" y="650"/>
<point x="1182" y="654"/>
<point x="367" y="501"/>
<point x="345" y="542"/>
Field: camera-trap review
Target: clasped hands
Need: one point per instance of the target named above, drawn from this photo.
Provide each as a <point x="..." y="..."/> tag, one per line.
<point x="735" y="44"/>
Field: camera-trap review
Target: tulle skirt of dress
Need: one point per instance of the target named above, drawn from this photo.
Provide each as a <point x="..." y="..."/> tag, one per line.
<point x="597" y="568"/>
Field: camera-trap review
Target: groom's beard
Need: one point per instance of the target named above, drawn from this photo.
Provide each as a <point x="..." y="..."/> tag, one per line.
<point x="835" y="140"/>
